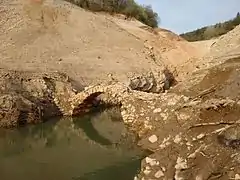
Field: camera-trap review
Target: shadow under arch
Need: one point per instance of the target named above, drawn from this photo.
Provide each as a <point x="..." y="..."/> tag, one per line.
<point x="91" y="101"/>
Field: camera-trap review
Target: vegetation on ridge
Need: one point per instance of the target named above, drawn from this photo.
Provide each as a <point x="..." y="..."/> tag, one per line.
<point x="213" y="31"/>
<point x="130" y="8"/>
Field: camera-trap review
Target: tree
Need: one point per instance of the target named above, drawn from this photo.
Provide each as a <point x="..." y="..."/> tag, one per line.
<point x="238" y="15"/>
<point x="152" y="17"/>
<point x="130" y="8"/>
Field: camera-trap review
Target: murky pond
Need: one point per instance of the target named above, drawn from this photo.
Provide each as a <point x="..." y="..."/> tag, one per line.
<point x="93" y="147"/>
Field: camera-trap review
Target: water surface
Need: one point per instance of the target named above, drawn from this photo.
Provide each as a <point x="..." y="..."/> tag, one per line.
<point x="94" y="147"/>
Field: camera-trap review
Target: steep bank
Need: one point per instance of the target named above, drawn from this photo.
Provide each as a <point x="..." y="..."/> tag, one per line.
<point x="59" y="36"/>
<point x="165" y="47"/>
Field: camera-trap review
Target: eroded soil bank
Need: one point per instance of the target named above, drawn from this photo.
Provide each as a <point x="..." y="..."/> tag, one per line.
<point x="198" y="138"/>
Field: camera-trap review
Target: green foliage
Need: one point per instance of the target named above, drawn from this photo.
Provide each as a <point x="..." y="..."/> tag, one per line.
<point x="214" y="31"/>
<point x="148" y="16"/>
<point x="130" y="8"/>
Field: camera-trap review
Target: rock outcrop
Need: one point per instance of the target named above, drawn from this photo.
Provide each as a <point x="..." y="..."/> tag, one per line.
<point x="27" y="97"/>
<point x="17" y="111"/>
<point x="153" y="81"/>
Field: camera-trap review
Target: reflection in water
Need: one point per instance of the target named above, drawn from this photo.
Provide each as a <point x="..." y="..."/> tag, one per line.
<point x="86" y="123"/>
<point x="117" y="171"/>
<point x="91" y="132"/>
<point x="82" y="148"/>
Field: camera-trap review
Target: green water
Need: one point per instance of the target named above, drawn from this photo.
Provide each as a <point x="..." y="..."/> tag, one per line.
<point x="87" y="148"/>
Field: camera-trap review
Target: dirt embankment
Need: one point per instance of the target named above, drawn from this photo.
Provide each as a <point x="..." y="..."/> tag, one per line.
<point x="57" y="36"/>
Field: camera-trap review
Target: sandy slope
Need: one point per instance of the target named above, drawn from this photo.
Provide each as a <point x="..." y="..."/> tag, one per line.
<point x="228" y="43"/>
<point x="55" y="35"/>
<point x="217" y="50"/>
<point x="170" y="49"/>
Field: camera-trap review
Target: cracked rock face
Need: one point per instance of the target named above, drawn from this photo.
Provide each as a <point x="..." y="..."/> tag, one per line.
<point x="27" y="97"/>
<point x="155" y="81"/>
<point x="16" y="110"/>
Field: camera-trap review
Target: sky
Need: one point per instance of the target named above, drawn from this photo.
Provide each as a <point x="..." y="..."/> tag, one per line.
<point x="182" y="16"/>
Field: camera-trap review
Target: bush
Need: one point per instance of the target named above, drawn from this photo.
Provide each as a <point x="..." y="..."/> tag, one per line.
<point x="214" y="31"/>
<point x="130" y="8"/>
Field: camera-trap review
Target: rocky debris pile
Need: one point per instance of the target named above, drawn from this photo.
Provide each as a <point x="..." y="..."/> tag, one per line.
<point x="153" y="81"/>
<point x="187" y="147"/>
<point x="197" y="137"/>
